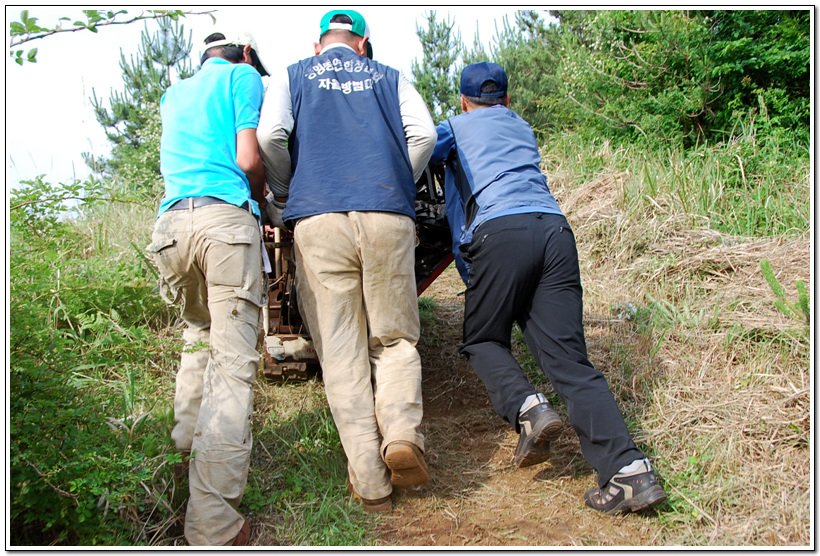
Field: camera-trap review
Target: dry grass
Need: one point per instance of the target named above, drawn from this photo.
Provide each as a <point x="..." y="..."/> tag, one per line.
<point x="720" y="391"/>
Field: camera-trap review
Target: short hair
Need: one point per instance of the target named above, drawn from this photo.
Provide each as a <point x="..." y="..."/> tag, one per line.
<point x="231" y="52"/>
<point x="487" y="87"/>
<point x="340" y="33"/>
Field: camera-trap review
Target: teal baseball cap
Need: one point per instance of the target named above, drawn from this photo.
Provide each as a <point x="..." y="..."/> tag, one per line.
<point x="358" y="25"/>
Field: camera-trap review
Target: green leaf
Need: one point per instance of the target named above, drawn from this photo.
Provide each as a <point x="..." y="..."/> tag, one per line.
<point x="781" y="305"/>
<point x="768" y="273"/>
<point x="32" y="55"/>
<point x="803" y="300"/>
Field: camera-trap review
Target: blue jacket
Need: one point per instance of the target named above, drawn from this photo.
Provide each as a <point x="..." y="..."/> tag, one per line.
<point x="493" y="169"/>
<point x="348" y="147"/>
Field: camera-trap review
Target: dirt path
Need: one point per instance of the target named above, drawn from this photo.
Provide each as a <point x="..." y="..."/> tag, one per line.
<point x="475" y="497"/>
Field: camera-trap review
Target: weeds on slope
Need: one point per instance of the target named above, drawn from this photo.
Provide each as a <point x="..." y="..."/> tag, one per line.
<point x="711" y="366"/>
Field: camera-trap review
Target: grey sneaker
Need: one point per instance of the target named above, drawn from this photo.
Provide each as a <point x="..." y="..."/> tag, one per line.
<point x="627" y="492"/>
<point x="539" y="425"/>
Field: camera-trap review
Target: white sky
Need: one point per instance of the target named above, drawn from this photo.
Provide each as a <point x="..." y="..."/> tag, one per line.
<point x="50" y="120"/>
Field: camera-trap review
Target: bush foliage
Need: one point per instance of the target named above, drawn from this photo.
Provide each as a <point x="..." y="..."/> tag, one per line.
<point x="663" y="77"/>
<point x="82" y="318"/>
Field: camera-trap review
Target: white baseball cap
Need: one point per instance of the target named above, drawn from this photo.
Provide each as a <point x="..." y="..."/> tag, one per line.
<point x="241" y="38"/>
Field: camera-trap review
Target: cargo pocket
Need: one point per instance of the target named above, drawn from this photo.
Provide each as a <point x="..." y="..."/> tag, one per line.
<point x="229" y="257"/>
<point x="166" y="257"/>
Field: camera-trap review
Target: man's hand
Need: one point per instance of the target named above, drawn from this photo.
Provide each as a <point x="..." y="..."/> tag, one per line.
<point x="272" y="212"/>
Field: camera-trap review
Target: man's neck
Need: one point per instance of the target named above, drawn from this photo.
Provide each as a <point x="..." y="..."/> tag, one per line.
<point x="332" y="45"/>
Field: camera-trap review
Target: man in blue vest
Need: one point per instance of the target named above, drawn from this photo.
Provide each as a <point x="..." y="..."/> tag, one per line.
<point x="207" y="245"/>
<point x="344" y="139"/>
<point x="516" y="252"/>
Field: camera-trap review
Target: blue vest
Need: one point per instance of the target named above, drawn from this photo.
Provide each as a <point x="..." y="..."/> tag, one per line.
<point x="347" y="147"/>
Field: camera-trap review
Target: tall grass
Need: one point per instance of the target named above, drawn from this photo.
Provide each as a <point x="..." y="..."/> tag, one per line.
<point x="90" y="406"/>
<point x="710" y="369"/>
<point x="749" y="186"/>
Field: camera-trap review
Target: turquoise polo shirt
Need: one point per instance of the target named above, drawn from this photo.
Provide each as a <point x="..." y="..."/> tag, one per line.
<point x="200" y="119"/>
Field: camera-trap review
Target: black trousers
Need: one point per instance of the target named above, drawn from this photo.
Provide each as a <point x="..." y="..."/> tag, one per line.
<point x="524" y="269"/>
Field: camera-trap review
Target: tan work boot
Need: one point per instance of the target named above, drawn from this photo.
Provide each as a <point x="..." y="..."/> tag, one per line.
<point x="406" y="463"/>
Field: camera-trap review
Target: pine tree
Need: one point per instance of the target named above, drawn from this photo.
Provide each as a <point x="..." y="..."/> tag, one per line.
<point x="528" y="53"/>
<point x="132" y="122"/>
<point x="437" y="76"/>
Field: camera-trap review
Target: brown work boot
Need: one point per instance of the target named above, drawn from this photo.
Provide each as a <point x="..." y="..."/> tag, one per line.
<point x="406" y="464"/>
<point x="244" y="535"/>
<point x="181" y="468"/>
<point x="383" y="504"/>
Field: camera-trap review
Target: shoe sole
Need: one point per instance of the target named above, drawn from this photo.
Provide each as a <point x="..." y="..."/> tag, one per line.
<point x="406" y="465"/>
<point x="540" y="451"/>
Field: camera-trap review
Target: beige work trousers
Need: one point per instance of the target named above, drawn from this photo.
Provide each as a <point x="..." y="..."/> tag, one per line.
<point x="211" y="262"/>
<point x="357" y="294"/>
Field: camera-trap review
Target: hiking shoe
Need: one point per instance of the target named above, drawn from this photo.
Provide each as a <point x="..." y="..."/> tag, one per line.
<point x="539" y="425"/>
<point x="383" y="504"/>
<point x="244" y="535"/>
<point x="626" y="492"/>
<point x="406" y="463"/>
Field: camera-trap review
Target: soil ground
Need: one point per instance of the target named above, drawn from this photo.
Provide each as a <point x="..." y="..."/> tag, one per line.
<point x="475" y="497"/>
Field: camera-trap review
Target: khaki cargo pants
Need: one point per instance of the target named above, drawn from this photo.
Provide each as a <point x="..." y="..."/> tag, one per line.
<point x="355" y="280"/>
<point x="211" y="260"/>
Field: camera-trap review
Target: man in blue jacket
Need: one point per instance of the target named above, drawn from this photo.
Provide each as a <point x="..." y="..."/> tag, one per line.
<point x="516" y="252"/>
<point x="207" y="245"/>
<point x="344" y="139"/>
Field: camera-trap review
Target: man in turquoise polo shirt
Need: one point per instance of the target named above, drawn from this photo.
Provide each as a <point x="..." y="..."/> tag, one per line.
<point x="207" y="245"/>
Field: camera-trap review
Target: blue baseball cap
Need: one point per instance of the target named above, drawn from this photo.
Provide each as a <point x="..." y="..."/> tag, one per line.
<point x="475" y="75"/>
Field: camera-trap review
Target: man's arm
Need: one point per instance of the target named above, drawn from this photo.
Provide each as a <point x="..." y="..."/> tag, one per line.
<point x="418" y="126"/>
<point x="249" y="161"/>
<point x="247" y="90"/>
<point x="275" y="126"/>
<point x="444" y="144"/>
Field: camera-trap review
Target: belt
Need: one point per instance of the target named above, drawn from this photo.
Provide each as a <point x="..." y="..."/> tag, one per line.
<point x="196" y="202"/>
